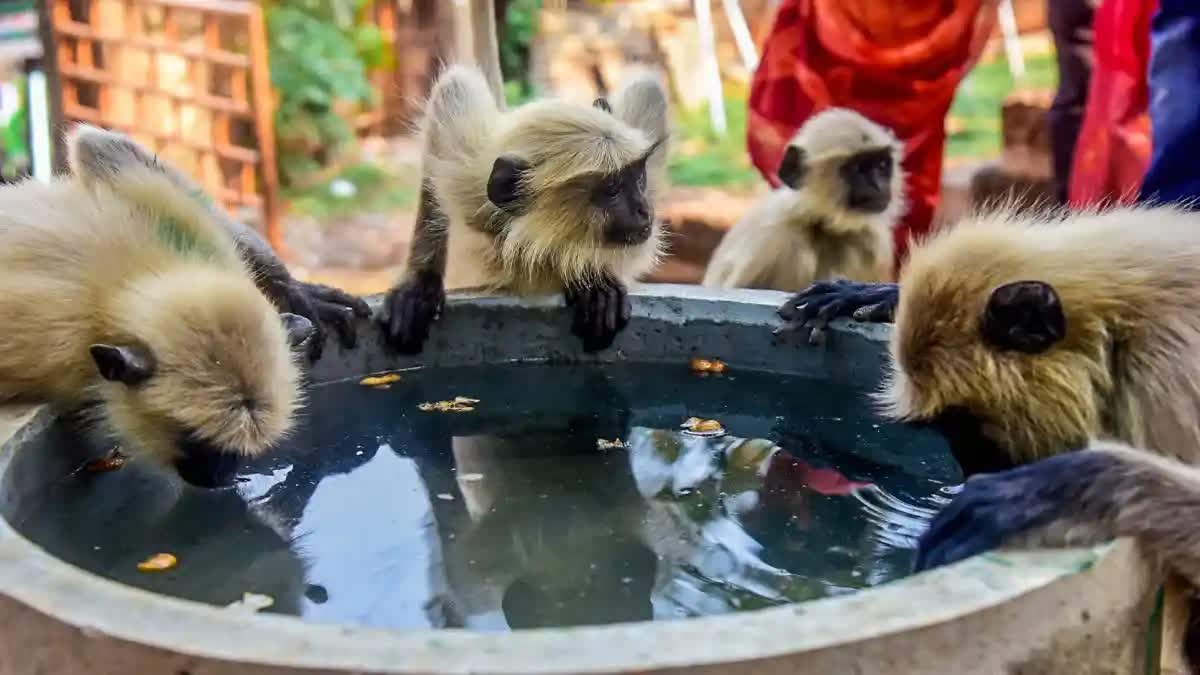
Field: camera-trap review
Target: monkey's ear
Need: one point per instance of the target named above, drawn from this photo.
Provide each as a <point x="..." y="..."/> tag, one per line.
<point x="1024" y="316"/>
<point x="128" y="365"/>
<point x="504" y="185"/>
<point x="95" y="155"/>
<point x="602" y="104"/>
<point x="793" y="167"/>
<point x="299" y="329"/>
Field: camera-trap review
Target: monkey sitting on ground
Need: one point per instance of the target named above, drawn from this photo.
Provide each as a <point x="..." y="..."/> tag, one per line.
<point x="124" y="295"/>
<point x="843" y="193"/>
<point x="107" y="154"/>
<point x="550" y="197"/>
<point x="1023" y="339"/>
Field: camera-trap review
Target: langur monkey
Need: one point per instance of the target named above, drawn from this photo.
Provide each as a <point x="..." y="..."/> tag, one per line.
<point x="551" y="197"/>
<point x="126" y="297"/>
<point x="843" y="193"/>
<point x="1025" y="338"/>
<point x="106" y="154"/>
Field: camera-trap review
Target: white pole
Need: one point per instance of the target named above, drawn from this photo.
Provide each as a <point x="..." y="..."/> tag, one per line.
<point x="712" y="70"/>
<point x="741" y="33"/>
<point x="39" y="126"/>
<point x="1012" y="40"/>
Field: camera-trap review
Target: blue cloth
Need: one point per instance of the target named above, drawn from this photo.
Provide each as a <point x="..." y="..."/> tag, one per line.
<point x="1174" y="81"/>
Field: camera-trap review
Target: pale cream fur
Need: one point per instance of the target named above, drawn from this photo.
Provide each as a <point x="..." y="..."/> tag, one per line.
<point x="1127" y="368"/>
<point x="82" y="262"/>
<point x="792" y="238"/>
<point x="556" y="240"/>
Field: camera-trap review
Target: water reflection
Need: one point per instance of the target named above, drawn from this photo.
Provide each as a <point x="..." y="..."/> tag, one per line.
<point x="510" y="517"/>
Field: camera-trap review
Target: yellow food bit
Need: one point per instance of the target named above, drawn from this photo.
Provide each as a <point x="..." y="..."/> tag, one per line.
<point x="707" y="425"/>
<point x="717" y="367"/>
<point x="691" y="422"/>
<point x="253" y="602"/>
<point x="380" y="380"/>
<point x="158" y="563"/>
<point x="459" y="404"/>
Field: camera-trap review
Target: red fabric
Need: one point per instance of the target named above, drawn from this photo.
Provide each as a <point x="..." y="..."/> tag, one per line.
<point x="897" y="63"/>
<point x="1113" y="148"/>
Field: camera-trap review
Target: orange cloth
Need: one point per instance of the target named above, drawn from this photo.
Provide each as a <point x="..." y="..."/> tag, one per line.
<point x="1113" y="148"/>
<point x="897" y="63"/>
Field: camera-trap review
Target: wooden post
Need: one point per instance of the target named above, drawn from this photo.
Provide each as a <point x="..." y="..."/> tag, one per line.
<point x="264" y="128"/>
<point x="53" y="84"/>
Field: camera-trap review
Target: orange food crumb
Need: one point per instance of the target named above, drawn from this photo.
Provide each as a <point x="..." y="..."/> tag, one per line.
<point x="700" y="365"/>
<point x="707" y="425"/>
<point x="158" y="563"/>
<point x="115" y="460"/>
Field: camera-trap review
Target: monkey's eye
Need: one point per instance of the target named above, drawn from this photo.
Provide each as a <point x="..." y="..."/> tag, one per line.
<point x="612" y="188"/>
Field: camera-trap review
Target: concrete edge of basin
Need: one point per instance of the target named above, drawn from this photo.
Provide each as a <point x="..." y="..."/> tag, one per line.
<point x="111" y="619"/>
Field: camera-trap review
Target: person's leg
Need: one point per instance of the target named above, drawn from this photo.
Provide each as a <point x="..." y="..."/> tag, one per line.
<point x="1174" y="79"/>
<point x="1071" y="25"/>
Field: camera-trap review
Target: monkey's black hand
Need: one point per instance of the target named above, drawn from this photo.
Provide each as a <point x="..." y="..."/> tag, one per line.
<point x="321" y="304"/>
<point x="827" y="300"/>
<point x="602" y="310"/>
<point x="410" y="309"/>
<point x="992" y="508"/>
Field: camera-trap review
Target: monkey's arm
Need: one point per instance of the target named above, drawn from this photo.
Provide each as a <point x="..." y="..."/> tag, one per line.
<point x="457" y="119"/>
<point x="825" y="301"/>
<point x="1079" y="498"/>
<point x="98" y="156"/>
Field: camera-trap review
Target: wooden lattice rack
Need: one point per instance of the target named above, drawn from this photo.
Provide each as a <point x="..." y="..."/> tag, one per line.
<point x="188" y="78"/>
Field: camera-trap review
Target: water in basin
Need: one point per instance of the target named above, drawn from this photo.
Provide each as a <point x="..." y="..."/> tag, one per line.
<point x="511" y="515"/>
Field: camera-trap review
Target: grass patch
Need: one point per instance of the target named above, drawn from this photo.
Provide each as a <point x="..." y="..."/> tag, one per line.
<point x="700" y="158"/>
<point x="975" y="113"/>
<point x="376" y="190"/>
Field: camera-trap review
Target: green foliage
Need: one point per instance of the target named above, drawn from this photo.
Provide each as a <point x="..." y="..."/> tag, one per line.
<point x="520" y="27"/>
<point x="979" y="98"/>
<point x="701" y="158"/>
<point x="320" y="52"/>
<point x="13" y="136"/>
<point x="377" y="190"/>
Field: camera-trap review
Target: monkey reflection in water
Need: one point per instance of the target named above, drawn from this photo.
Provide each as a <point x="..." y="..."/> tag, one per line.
<point x="540" y="540"/>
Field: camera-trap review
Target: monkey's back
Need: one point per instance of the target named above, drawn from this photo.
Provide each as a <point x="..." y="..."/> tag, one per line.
<point x="65" y="253"/>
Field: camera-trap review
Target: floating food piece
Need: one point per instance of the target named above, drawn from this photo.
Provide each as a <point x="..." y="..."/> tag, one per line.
<point x="700" y="365"/>
<point x="380" y="380"/>
<point x="459" y="404"/>
<point x="604" y="444"/>
<point x="470" y="477"/>
<point x="115" y="460"/>
<point x="694" y="426"/>
<point x="158" y="562"/>
<point x="252" y="601"/>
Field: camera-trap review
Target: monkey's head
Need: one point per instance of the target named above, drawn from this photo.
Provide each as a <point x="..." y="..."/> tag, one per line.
<point x="203" y="374"/>
<point x="197" y="368"/>
<point x="848" y="166"/>
<point x="574" y="189"/>
<point x="999" y="345"/>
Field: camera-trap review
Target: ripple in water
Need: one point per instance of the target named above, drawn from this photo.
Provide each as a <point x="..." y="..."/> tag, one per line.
<point x="510" y="516"/>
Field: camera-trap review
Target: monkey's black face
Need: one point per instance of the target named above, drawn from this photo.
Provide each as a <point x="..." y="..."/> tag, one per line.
<point x="868" y="180"/>
<point x="974" y="451"/>
<point x="205" y="465"/>
<point x="621" y="197"/>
